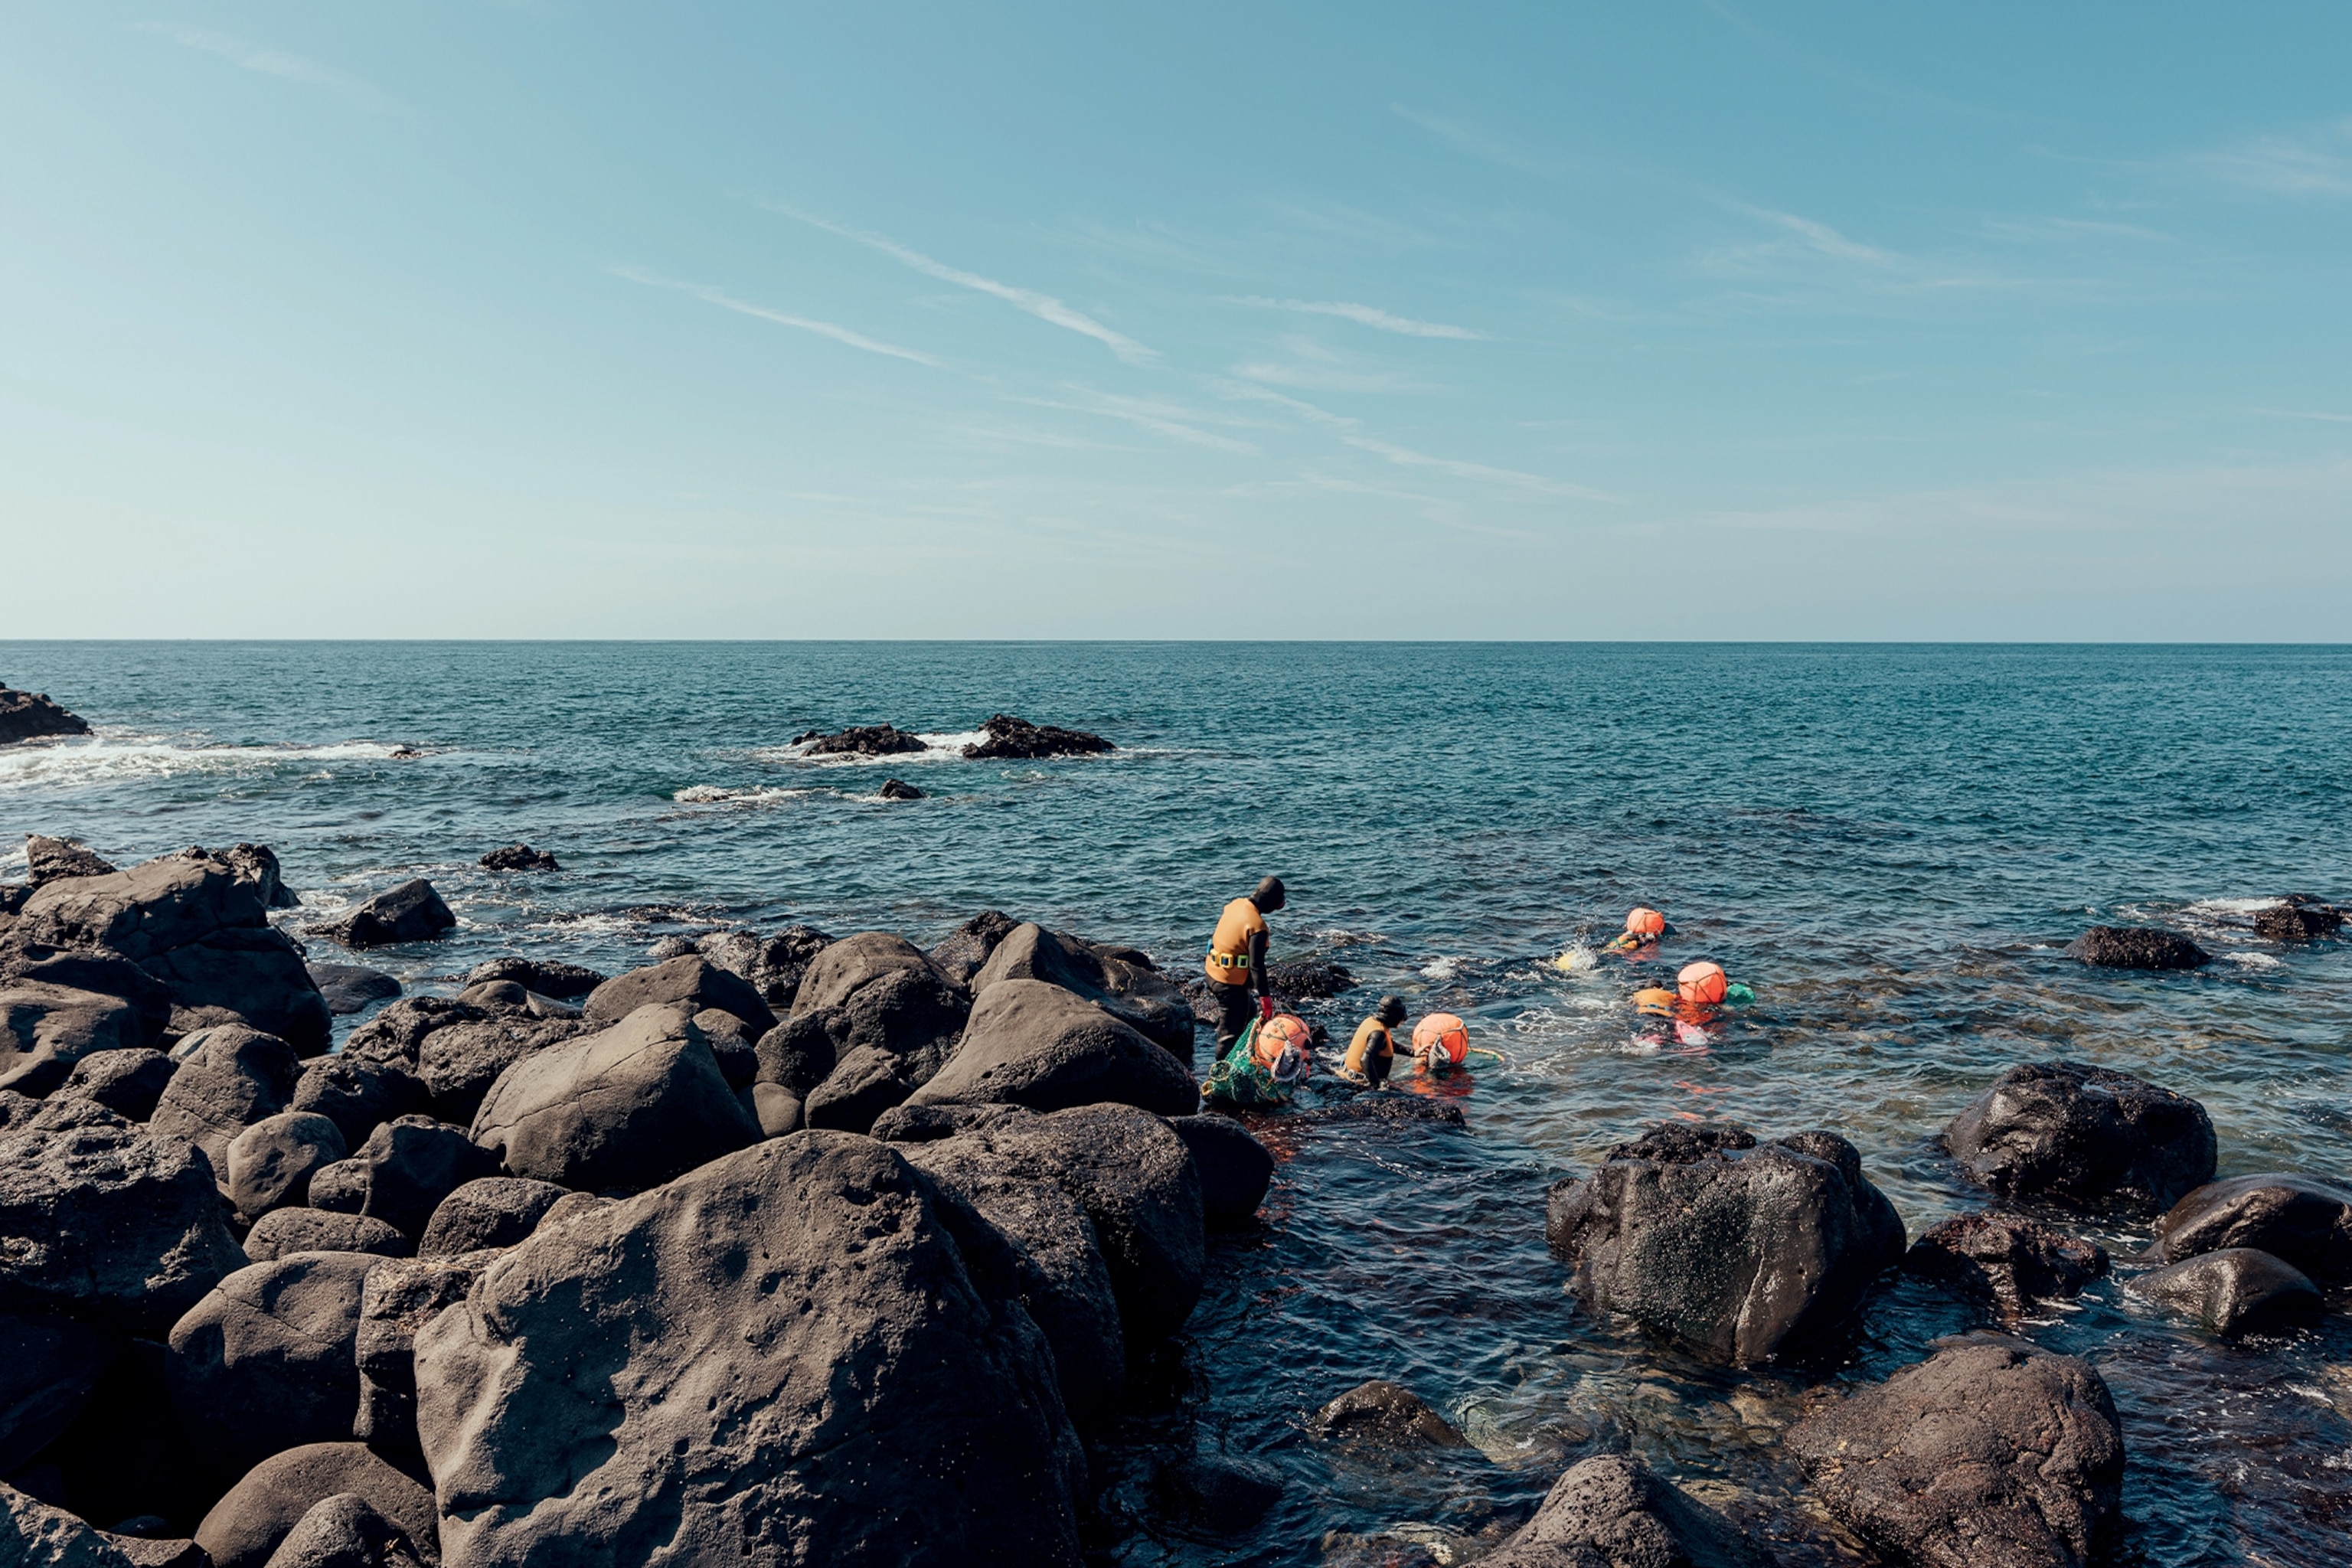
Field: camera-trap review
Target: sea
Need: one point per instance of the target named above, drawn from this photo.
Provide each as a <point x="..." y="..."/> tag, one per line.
<point x="1892" y="845"/>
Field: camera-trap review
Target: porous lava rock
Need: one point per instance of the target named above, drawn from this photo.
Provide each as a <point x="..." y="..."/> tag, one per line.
<point x="261" y="1511"/>
<point x="2298" y="922"/>
<point x="357" y="1095"/>
<point x="270" y="1163"/>
<point x="255" y="865"/>
<point x="1745" y="1253"/>
<point x="1033" y="1044"/>
<point x="962" y="951"/>
<point x="56" y="860"/>
<point x="773" y="965"/>
<point x="400" y="1297"/>
<point x="1309" y="980"/>
<point x="2006" y="1261"/>
<point x="788" y="1355"/>
<point x="623" y="1109"/>
<point x="2236" y="1290"/>
<point x="861" y="741"/>
<point x="128" y="1083"/>
<point x="1614" y="1511"/>
<point x="31" y="716"/>
<point x="411" y="911"/>
<point x="46" y="1030"/>
<point x="351" y="987"/>
<point x="1134" y="992"/>
<point x="2083" y="1136"/>
<point x="2301" y="1219"/>
<point x="1388" y="1414"/>
<point x="264" y="1362"/>
<point x="457" y="1064"/>
<point x="1991" y="1454"/>
<point x="230" y="1078"/>
<point x="402" y="1173"/>
<point x="898" y="789"/>
<point x="1008" y="737"/>
<point x="1235" y="1169"/>
<point x="34" y="1535"/>
<point x="691" y="981"/>
<point x="488" y="1211"/>
<point x="281" y="1233"/>
<point x="566" y="981"/>
<point x="2137" y="947"/>
<point x="518" y="857"/>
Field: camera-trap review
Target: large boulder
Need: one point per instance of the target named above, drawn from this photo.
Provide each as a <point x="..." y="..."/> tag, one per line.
<point x="2301" y="1219"/>
<point x="346" y="1532"/>
<point x="1745" y="1253"/>
<point x="271" y="1162"/>
<point x="230" y="1078"/>
<point x="400" y="1298"/>
<point x="263" y="1363"/>
<point x="2006" y="1261"/>
<point x="45" y="1030"/>
<point x="108" y="974"/>
<point x="457" y="1065"/>
<point x="401" y="1175"/>
<point x="962" y="951"/>
<point x="255" y="865"/>
<point x="1033" y="1043"/>
<point x="351" y="987"/>
<point x="1112" y="979"/>
<point x="692" y="981"/>
<point x="413" y="911"/>
<point x="488" y="1211"/>
<point x="1991" y="1454"/>
<point x="1386" y="1415"/>
<point x="2298" y="920"/>
<point x="261" y="1511"/>
<point x="2089" y="1137"/>
<point x="395" y="1036"/>
<point x="357" y="1095"/>
<point x="32" y="1533"/>
<point x="106" y="1222"/>
<point x="128" y="1083"/>
<point x="873" y="1020"/>
<point x="627" y="1108"/>
<point x="2137" y="947"/>
<point x="1005" y="737"/>
<point x="2234" y="1292"/>
<point x="50" y="859"/>
<point x="48" y="1367"/>
<point x="31" y="716"/>
<point x="1235" y="1169"/>
<point x="773" y="965"/>
<point x="545" y="977"/>
<point x="281" y="1233"/>
<point x="786" y="1356"/>
<point x="1614" y="1511"/>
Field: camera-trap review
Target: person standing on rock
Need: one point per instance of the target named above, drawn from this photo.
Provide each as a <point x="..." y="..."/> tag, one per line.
<point x="1236" y="963"/>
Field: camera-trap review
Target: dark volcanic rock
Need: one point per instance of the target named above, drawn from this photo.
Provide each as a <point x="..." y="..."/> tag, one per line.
<point x="263" y="1363"/>
<point x="787" y="1355"/>
<point x="46" y="1030"/>
<point x="411" y="911"/>
<point x="1135" y="994"/>
<point x="271" y="1162"/>
<point x="861" y="741"/>
<point x="1389" y="1414"/>
<point x="1036" y="1045"/>
<point x="32" y="1533"/>
<point x="2006" y="1261"/>
<point x="400" y="1298"/>
<point x="105" y="974"/>
<point x="692" y="980"/>
<point x="1309" y="980"/>
<point x="1235" y="1169"/>
<point x="625" y="1108"/>
<point x="2234" y="1292"/>
<point x="520" y="858"/>
<point x="107" y="1223"/>
<point x="396" y="1035"/>
<point x="230" y="1078"/>
<point x="48" y="1367"/>
<point x="128" y="1083"/>
<point x="357" y="1095"/>
<point x="351" y="987"/>
<point x="458" y="1064"/>
<point x="402" y="1173"/>
<point x="2303" y="1220"/>
<point x="1011" y="738"/>
<point x="567" y="982"/>
<point x="1745" y="1253"/>
<point x="31" y="716"/>
<point x="1991" y="1455"/>
<point x="346" y="1532"/>
<point x="281" y="1233"/>
<point x="900" y="789"/>
<point x="872" y="1022"/>
<point x="1614" y="1511"/>
<point x="1375" y="1109"/>
<point x="2071" y="1134"/>
<point x="2137" y="947"/>
<point x="965" y="948"/>
<point x="489" y="1211"/>
<point x="55" y="859"/>
<point x="773" y="965"/>
<point x="261" y="1511"/>
<point x="255" y="865"/>
<point x="2298" y="921"/>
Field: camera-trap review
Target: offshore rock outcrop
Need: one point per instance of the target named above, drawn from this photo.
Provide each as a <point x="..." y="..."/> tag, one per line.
<point x="1009" y="737"/>
<point x="2083" y="1136"/>
<point x="2137" y="947"/>
<point x="31" y="716"/>
<point x="862" y="741"/>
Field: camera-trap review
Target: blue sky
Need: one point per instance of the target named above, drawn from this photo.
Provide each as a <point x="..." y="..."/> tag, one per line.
<point x="1668" y="319"/>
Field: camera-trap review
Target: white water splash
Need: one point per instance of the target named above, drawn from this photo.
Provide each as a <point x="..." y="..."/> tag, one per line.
<point x="105" y="758"/>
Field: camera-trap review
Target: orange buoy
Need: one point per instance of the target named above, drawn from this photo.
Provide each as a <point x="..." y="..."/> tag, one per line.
<point x="1656" y="1000"/>
<point x="1703" y="984"/>
<point x="1645" y="922"/>
<point x="1441" y="1040"/>
<point x="1285" y="1048"/>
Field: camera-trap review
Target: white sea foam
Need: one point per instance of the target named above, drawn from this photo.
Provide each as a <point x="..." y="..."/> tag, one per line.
<point x="1440" y="969"/>
<point x="1579" y="959"/>
<point x="2217" y="907"/>
<point x="106" y="757"/>
<point x="941" y="746"/>
<point x="2255" y="960"/>
<point x="718" y="794"/>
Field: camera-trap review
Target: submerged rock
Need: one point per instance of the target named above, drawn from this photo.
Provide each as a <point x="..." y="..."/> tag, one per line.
<point x="900" y="789"/>
<point x="1992" y="1453"/>
<point x="2298" y="920"/>
<point x="2137" y="947"/>
<point x="1388" y="1413"/>
<point x="1614" y="1511"/>
<point x="413" y="911"/>
<point x="351" y="987"/>
<point x="1009" y="737"/>
<point x="2303" y="1220"/>
<point x="31" y="716"/>
<point x="2086" y="1136"/>
<point x="518" y="857"/>
<point x="2234" y="1292"/>
<point x="861" y="741"/>
<point x="1214" y="1495"/>
<point x="2006" y="1261"/>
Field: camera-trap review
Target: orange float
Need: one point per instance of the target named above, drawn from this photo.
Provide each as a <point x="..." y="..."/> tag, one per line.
<point x="1285" y="1048"/>
<point x="1701" y="984"/>
<point x="1440" y="1041"/>
<point x="1645" y="922"/>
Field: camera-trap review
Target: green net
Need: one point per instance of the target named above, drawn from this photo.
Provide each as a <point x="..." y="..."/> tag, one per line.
<point x="1238" y="1078"/>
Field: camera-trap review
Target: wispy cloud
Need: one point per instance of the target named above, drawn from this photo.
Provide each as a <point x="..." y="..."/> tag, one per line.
<point x="725" y="302"/>
<point x="1805" y="248"/>
<point x="2317" y="163"/>
<point x="1157" y="416"/>
<point x="2293" y="414"/>
<point x="275" y="62"/>
<point x="1250" y="391"/>
<point x="1045" y="306"/>
<point x="1405" y="457"/>
<point x="1366" y="315"/>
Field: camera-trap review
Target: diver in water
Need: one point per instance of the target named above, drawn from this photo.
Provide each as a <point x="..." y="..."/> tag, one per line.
<point x="1643" y="927"/>
<point x="1373" y="1050"/>
<point x="1701" y="992"/>
<point x="1441" y="1045"/>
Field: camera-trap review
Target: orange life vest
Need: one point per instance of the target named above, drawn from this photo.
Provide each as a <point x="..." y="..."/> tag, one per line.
<point x="1372" y="1039"/>
<point x="1229" y="951"/>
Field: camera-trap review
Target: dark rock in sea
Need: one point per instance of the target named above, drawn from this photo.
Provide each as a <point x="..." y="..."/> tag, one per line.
<point x="565" y="981"/>
<point x="861" y="741"/>
<point x="255" y="865"/>
<point x="230" y="1078"/>
<point x="57" y="860"/>
<point x="1017" y="738"/>
<point x="518" y="857"/>
<point x="693" y="981"/>
<point x="402" y="1173"/>
<point x="346" y="1532"/>
<point x="2298" y="921"/>
<point x="261" y="1511"/>
<point x="2137" y="947"/>
<point x="1614" y="1511"/>
<point x="2071" y="1134"/>
<point x="2301" y="1219"/>
<point x="107" y="1223"/>
<point x="1036" y="1045"/>
<point x="49" y="1366"/>
<point x="31" y="716"/>
<point x="1992" y="1453"/>
<point x="1309" y="980"/>
<point x="1389" y="1108"/>
<point x="1389" y="1414"/>
<point x="2006" y="1261"/>
<point x="623" y="1109"/>
<point x="488" y="1211"/>
<point x="2237" y="1290"/>
<point x="46" y="1030"/>
<point x="961" y="956"/>
<point x="1745" y="1253"/>
<point x="270" y="1163"/>
<point x="281" y="1233"/>
<point x="1111" y="978"/>
<point x="264" y="1362"/>
<point x="1214" y="1495"/>
<point x="400" y="1297"/>
<point x="351" y="987"/>
<point x="898" y="789"/>
<point x="356" y="1094"/>
<point x="128" y="1083"/>
<point x="1235" y="1169"/>
<point x="809" y="1355"/>
<point x="413" y="911"/>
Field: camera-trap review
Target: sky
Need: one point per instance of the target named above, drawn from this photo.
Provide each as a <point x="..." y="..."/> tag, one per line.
<point x="1675" y="319"/>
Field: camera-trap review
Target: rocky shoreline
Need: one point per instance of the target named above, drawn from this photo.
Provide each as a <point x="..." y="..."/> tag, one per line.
<point x="804" y="1247"/>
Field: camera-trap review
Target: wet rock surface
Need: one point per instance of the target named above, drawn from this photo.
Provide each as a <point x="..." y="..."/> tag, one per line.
<point x="2299" y="920"/>
<point x="2006" y="1261"/>
<point x="413" y="911"/>
<point x="2137" y="947"/>
<point x="1388" y="1413"/>
<point x="2085" y="1136"/>
<point x="518" y="857"/>
<point x="1009" y="737"/>
<point x="1235" y="1169"/>
<point x="351" y="987"/>
<point x="31" y="716"/>
<point x="900" y="789"/>
<point x="2235" y="1290"/>
<point x="1614" y="1511"/>
<point x="861" y="741"/>
<point x="2301" y="1219"/>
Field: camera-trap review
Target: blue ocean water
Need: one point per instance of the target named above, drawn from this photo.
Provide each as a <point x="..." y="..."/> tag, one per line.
<point x="1891" y="844"/>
